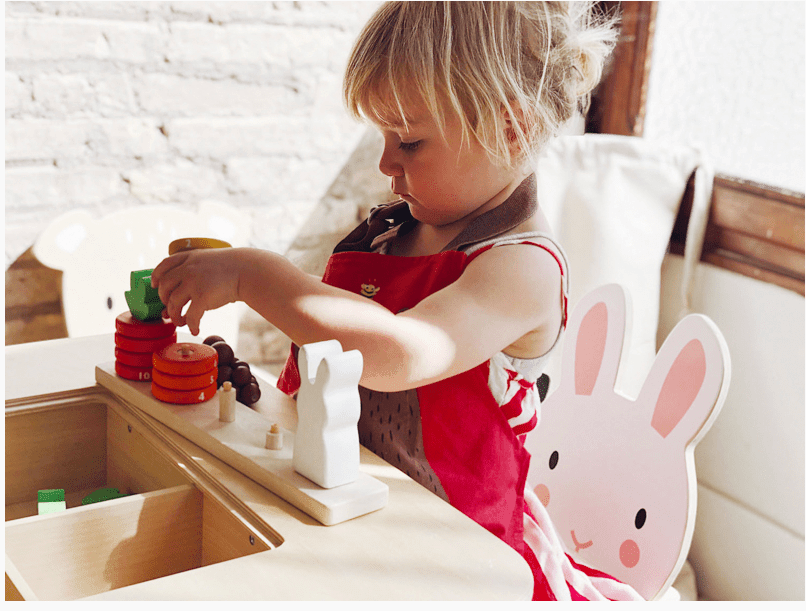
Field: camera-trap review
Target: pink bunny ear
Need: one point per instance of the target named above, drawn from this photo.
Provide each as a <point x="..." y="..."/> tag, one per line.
<point x="594" y="341"/>
<point x="680" y="388"/>
<point x="590" y="348"/>
<point x="688" y="381"/>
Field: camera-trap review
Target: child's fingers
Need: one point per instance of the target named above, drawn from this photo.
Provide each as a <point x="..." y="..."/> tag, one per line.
<point x="165" y="266"/>
<point x="167" y="284"/>
<point x="174" y="301"/>
<point x="193" y="316"/>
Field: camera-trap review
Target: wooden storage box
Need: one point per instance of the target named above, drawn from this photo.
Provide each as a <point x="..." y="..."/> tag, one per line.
<point x="171" y="521"/>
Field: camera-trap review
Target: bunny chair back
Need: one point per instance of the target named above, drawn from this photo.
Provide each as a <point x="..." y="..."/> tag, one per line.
<point x="616" y="475"/>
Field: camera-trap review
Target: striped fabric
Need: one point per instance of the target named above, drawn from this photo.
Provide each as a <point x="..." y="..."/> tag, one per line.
<point x="557" y="576"/>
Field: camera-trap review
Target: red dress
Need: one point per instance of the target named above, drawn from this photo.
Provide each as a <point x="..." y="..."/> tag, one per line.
<point x="453" y="436"/>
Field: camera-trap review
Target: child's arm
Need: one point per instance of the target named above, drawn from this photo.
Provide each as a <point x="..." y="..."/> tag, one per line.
<point x="505" y="293"/>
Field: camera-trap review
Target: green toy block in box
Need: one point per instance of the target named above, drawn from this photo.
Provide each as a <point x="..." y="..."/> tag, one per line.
<point x="102" y="494"/>
<point x="51" y="501"/>
<point x="144" y="301"/>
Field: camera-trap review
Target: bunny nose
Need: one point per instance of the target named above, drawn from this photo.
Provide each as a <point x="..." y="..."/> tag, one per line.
<point x="579" y="545"/>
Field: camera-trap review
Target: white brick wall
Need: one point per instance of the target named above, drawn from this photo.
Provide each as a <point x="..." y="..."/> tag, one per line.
<point x="119" y="104"/>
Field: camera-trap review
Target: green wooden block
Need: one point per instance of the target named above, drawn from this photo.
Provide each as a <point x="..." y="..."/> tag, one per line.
<point x="143" y="301"/>
<point x="51" y="495"/>
<point x="102" y="494"/>
<point x="145" y="311"/>
<point x="137" y="276"/>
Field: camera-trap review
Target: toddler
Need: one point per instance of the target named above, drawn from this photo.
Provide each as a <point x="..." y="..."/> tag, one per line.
<point x="456" y="293"/>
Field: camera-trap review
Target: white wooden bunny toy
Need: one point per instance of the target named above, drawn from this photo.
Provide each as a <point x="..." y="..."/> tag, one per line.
<point x="326" y="447"/>
<point x="616" y="475"/>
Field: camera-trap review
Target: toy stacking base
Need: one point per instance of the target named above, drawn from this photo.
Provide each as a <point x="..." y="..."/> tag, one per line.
<point x="242" y="444"/>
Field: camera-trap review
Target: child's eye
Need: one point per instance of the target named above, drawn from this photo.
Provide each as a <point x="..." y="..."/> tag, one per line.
<point x="410" y="146"/>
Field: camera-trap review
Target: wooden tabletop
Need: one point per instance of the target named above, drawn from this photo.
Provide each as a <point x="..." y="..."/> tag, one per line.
<point x="417" y="547"/>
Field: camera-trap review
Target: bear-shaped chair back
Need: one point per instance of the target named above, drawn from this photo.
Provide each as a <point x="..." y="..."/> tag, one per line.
<point x="616" y="475"/>
<point x="97" y="256"/>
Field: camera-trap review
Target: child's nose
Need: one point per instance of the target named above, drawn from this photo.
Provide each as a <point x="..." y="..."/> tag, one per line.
<point x="389" y="165"/>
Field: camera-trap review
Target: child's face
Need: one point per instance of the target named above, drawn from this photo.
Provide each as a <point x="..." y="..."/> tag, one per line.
<point x="443" y="179"/>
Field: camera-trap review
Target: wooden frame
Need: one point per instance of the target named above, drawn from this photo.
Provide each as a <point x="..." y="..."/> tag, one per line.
<point x="618" y="105"/>
<point x="754" y="230"/>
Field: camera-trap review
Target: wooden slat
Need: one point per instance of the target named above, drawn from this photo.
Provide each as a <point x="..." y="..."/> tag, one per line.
<point x="774" y="256"/>
<point x="731" y="262"/>
<point x="753" y="229"/>
<point x="619" y="103"/>
<point x="762" y="212"/>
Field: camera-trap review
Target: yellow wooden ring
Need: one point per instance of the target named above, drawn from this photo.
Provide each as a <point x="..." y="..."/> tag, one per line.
<point x="183" y="244"/>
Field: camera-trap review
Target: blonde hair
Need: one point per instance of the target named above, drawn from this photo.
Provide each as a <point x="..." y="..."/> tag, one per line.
<point x="524" y="65"/>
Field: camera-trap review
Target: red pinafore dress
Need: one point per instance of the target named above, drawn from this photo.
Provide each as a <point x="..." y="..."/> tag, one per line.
<point x="455" y="437"/>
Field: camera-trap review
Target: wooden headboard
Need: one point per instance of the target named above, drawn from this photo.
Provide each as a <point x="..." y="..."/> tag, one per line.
<point x="753" y="229"/>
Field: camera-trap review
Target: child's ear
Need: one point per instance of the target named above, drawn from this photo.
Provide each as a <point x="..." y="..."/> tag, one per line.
<point x="509" y="128"/>
<point x="515" y="122"/>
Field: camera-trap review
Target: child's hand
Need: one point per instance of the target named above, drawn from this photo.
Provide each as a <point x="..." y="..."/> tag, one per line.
<point x="208" y="279"/>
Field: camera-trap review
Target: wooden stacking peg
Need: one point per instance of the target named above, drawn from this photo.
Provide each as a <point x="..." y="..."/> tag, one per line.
<point x="226" y="403"/>
<point x="274" y="438"/>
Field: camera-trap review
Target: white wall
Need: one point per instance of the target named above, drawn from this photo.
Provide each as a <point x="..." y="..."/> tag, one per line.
<point x="749" y="536"/>
<point x="118" y="104"/>
<point x="729" y="77"/>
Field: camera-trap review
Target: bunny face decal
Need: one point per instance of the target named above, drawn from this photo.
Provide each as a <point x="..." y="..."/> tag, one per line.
<point x="616" y="475"/>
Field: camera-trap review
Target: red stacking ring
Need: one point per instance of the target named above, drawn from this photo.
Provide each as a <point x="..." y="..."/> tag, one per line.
<point x="134" y="359"/>
<point x="185" y="359"/>
<point x="183" y="397"/>
<point x="138" y="374"/>
<point x="143" y="345"/>
<point x="128" y="325"/>
<point x="185" y="382"/>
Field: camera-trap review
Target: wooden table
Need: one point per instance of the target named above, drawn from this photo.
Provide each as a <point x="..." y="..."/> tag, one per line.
<point x="417" y="547"/>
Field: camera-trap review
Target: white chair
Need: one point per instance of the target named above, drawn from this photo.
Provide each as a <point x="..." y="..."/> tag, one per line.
<point x="612" y="202"/>
<point x="97" y="256"/>
<point x="616" y="475"/>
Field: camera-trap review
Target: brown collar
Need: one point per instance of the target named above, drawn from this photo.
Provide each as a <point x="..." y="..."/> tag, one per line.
<point x="393" y="220"/>
<point x="513" y="211"/>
